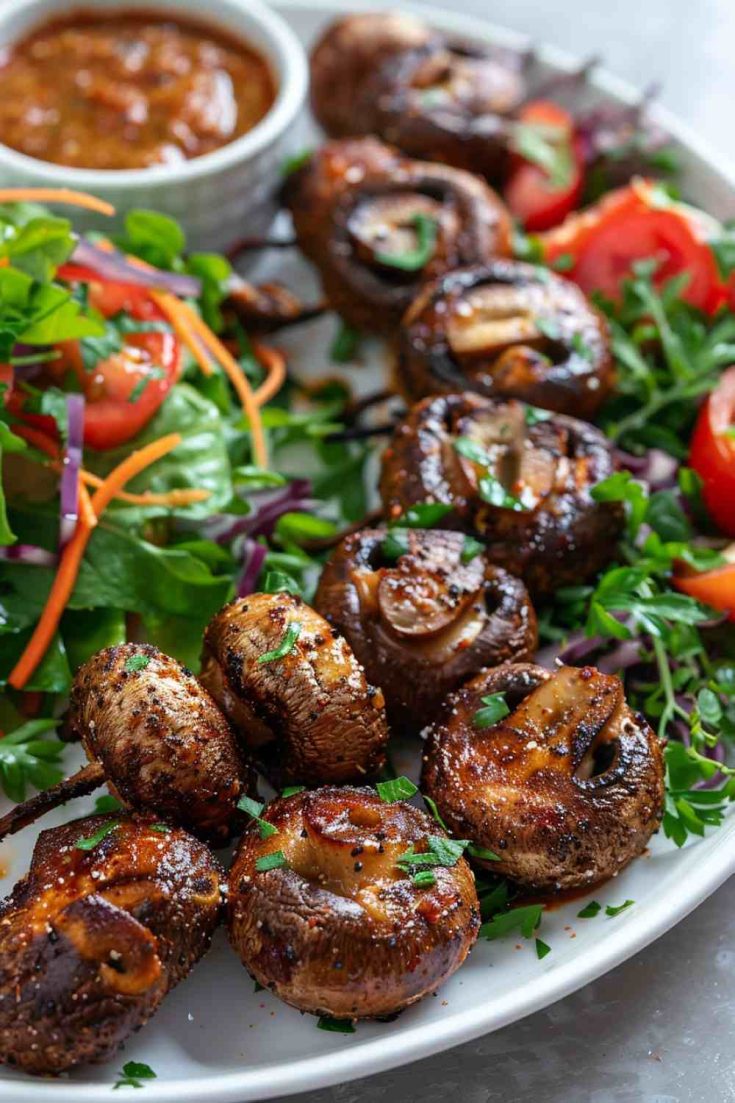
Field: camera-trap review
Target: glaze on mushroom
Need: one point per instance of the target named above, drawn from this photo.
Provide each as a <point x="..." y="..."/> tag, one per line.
<point x="113" y="913"/>
<point x="423" y="614"/>
<point x="377" y="225"/>
<point x="566" y="789"/>
<point x="517" y="479"/>
<point x="294" y="691"/>
<point x="341" y="928"/>
<point x="510" y="330"/>
<point x="153" y="733"/>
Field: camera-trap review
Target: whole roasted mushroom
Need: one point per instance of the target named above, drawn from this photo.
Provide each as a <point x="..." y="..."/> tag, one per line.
<point x="567" y="788"/>
<point x="328" y="914"/>
<point x="111" y="916"/>
<point x="377" y="225"/>
<point x="347" y="53"/>
<point x="515" y="477"/>
<point x="510" y="330"/>
<point x="423" y="610"/>
<point x="157" y="738"/>
<point x="294" y="691"/>
<point x="436" y="98"/>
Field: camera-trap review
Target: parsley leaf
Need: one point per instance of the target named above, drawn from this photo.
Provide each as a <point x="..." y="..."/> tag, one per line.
<point x="414" y="260"/>
<point x="286" y="645"/>
<point x="495" y="708"/>
<point x="612" y="911"/>
<point x="91" y="841"/>
<point x="337" y="1026"/>
<point x="524" y="919"/>
<point x="589" y="911"/>
<point x="399" y="788"/>
<point x="136" y="662"/>
<point x="254" y="808"/>
<point x="132" y="1073"/>
<point x="440" y="852"/>
<point x="275" y="860"/>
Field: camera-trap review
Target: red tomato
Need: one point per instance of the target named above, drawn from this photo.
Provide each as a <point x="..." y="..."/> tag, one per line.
<point x="113" y="298"/>
<point x="124" y="391"/>
<point x="603" y="242"/>
<point x="712" y="453"/>
<point x="532" y="197"/>
<point x="715" y="588"/>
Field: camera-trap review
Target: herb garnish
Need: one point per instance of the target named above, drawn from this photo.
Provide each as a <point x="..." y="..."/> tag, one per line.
<point x="338" y="1026"/>
<point x="345" y="345"/>
<point x="292" y="790"/>
<point x="254" y="808"/>
<point x="399" y="788"/>
<point x="525" y="919"/>
<point x="545" y="146"/>
<point x="611" y="910"/>
<point x="589" y="911"/>
<point x="542" y="949"/>
<point x="471" y="548"/>
<point x="440" y="852"/>
<point x="495" y="708"/>
<point x="135" y="663"/>
<point x="275" y="860"/>
<point x="91" y="841"/>
<point x="490" y="487"/>
<point x="132" y="1074"/>
<point x="413" y="260"/>
<point x="286" y="645"/>
<point x="27" y="758"/>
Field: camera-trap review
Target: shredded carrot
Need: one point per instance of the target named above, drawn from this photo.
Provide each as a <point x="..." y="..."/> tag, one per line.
<point x="181" y="496"/>
<point x="59" y="595"/>
<point x="236" y="375"/>
<point x="71" y="557"/>
<point x="274" y="363"/>
<point x="56" y="195"/>
<point x="174" y="310"/>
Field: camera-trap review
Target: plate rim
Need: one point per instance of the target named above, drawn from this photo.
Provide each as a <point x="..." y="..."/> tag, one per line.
<point x="422" y="1040"/>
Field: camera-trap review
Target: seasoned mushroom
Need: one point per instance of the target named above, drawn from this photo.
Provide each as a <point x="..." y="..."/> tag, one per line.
<point x="566" y="789"/>
<point x="294" y="691"/>
<point x="510" y="330"/>
<point x="436" y="98"/>
<point x="347" y="53"/>
<point x="377" y="225"/>
<point x="423" y="611"/>
<point x="264" y="307"/>
<point x="450" y="102"/>
<point x="157" y="738"/>
<point x="516" y="478"/>
<point x="112" y="914"/>
<point x="327" y="914"/>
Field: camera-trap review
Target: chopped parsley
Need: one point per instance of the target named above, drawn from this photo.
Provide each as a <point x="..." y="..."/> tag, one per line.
<point x="494" y="709"/>
<point x="612" y="911"/>
<point x="490" y="487"/>
<point x="471" y="548"/>
<point x="399" y="788"/>
<point x="542" y="949"/>
<point x="292" y="790"/>
<point x="549" y="327"/>
<point x="440" y="852"/>
<point x="337" y="1026"/>
<point x="135" y="663"/>
<point x="589" y="911"/>
<point x="254" y="808"/>
<point x="414" y="260"/>
<point x="525" y="919"/>
<point x="424" y="879"/>
<point x="91" y="841"/>
<point x="345" y="345"/>
<point x="549" y="148"/>
<point x="132" y="1073"/>
<point x="275" y="860"/>
<point x="286" y="645"/>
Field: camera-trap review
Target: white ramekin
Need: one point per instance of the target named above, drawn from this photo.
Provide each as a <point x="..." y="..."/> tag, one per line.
<point x="217" y="198"/>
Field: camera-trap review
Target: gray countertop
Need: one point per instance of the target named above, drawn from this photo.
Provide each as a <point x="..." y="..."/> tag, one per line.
<point x="660" y="1028"/>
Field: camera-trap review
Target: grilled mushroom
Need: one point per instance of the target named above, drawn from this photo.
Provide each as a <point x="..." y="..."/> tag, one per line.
<point x="377" y="225"/>
<point x="566" y="789"/>
<point x="294" y="691"/>
<point x="436" y="98"/>
<point x="518" y="479"/>
<point x="327" y="914"/>
<point x="511" y="330"/>
<point x="157" y="738"/>
<point x="112" y="914"/>
<point x="347" y="53"/>
<point x="423" y="611"/>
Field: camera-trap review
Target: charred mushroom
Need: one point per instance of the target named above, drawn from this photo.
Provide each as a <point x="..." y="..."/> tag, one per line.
<point x="436" y="98"/>
<point x="423" y="611"/>
<point x="111" y="916"/>
<point x="157" y="738"/>
<point x="510" y="330"/>
<point x="347" y="53"/>
<point x="567" y="788"/>
<point x="327" y="913"/>
<point x="517" y="478"/>
<point x="294" y="691"/>
<point x="377" y="225"/>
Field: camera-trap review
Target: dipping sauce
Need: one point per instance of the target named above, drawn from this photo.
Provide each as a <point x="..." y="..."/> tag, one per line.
<point x="128" y="90"/>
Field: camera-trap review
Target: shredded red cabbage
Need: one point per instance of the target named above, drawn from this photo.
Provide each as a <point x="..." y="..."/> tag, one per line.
<point x="267" y="507"/>
<point x="656" y="468"/>
<point x="253" y="558"/>
<point x="71" y="464"/>
<point x="30" y="554"/>
<point x="114" y="266"/>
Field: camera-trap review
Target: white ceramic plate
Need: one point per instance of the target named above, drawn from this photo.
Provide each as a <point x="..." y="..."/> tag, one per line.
<point x="215" y="1040"/>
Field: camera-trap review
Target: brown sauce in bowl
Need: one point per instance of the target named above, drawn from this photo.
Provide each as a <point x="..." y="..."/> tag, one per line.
<point x="129" y="90"/>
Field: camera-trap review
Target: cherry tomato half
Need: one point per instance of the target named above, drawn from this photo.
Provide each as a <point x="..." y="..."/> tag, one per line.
<point x="715" y="588"/>
<point x="534" y="198"/>
<point x="602" y="243"/>
<point x="712" y="452"/>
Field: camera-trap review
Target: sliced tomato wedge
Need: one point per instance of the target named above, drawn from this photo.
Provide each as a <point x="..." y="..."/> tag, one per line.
<point x="113" y="298"/>
<point x="122" y="391"/>
<point x="601" y="245"/>
<point x="537" y="201"/>
<point x="715" y="588"/>
<point x="712" y="452"/>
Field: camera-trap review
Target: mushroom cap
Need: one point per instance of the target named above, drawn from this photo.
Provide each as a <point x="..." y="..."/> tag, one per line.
<point x="507" y="329"/>
<point x="163" y="743"/>
<point x="342" y="929"/>
<point x="309" y="716"/>
<point x="529" y="500"/>
<point x="567" y="788"/>
<point x="425" y="620"/>
<point x="91" y="940"/>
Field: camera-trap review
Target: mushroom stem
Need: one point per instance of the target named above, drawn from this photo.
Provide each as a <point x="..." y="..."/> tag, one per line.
<point x="79" y="784"/>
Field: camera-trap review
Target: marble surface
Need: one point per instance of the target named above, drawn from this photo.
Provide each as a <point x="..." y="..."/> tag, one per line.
<point x="661" y="1028"/>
